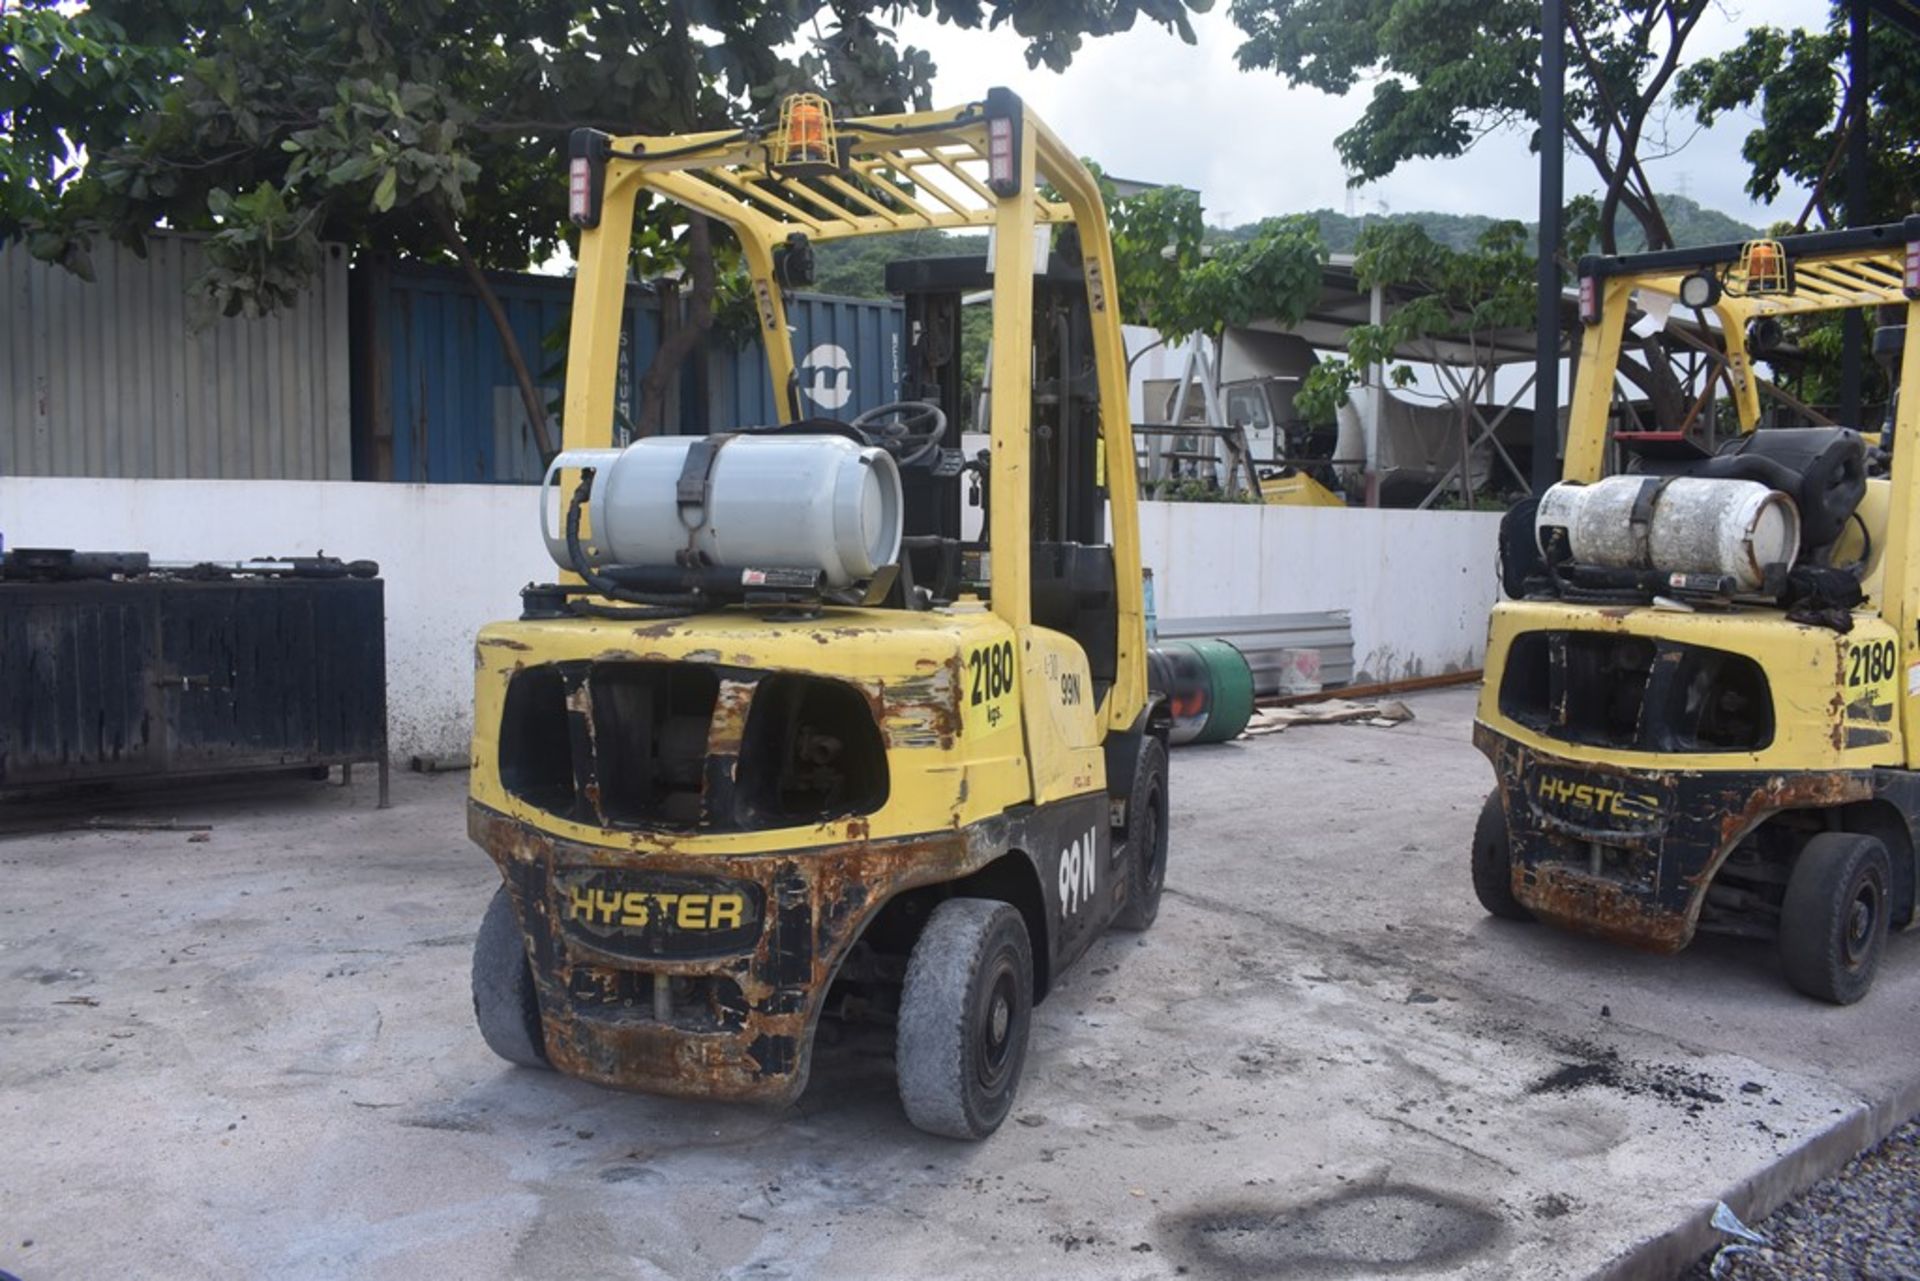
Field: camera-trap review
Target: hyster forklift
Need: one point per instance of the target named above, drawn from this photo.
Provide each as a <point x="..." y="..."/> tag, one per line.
<point x="1702" y="702"/>
<point x="784" y="742"/>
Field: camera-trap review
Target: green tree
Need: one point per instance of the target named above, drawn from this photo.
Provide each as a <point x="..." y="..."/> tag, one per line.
<point x="70" y="85"/>
<point x="1461" y="296"/>
<point x="433" y="128"/>
<point x="1454" y="294"/>
<point x="1172" y="280"/>
<point x="1445" y="74"/>
<point x="1800" y="83"/>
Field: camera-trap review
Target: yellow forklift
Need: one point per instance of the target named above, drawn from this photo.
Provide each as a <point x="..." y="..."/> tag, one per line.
<point x="785" y="741"/>
<point x="1702" y="701"/>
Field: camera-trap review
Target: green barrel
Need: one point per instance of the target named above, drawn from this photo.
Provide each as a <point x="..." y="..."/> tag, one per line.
<point x="1208" y="685"/>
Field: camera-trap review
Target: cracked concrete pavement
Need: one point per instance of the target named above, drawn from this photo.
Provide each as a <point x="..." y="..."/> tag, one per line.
<point x="253" y="1055"/>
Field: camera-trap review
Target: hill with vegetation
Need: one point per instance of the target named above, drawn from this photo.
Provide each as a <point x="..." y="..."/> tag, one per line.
<point x="1691" y="223"/>
<point x="857" y="268"/>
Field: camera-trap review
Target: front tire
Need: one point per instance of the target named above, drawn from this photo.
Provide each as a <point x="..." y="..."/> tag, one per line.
<point x="966" y="1013"/>
<point x="504" y="1002"/>
<point x="1493" y="863"/>
<point x="1833" y="922"/>
<point x="1146" y="839"/>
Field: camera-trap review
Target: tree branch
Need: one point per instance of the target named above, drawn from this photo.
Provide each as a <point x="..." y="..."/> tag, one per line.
<point x="677" y="345"/>
<point x="509" y="343"/>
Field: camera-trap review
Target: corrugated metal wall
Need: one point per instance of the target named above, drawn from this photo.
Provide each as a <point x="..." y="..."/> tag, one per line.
<point x="435" y="399"/>
<point x="113" y="379"/>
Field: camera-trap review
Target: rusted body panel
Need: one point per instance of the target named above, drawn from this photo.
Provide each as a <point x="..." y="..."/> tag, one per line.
<point x="726" y="1010"/>
<point x="1628" y="854"/>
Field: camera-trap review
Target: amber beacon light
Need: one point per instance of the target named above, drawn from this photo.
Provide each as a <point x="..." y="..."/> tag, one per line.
<point x="806" y="132"/>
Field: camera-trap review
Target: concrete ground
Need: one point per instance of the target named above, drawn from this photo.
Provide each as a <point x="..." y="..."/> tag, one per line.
<point x="252" y="1055"/>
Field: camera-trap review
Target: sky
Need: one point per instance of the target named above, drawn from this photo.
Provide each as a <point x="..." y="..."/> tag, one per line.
<point x="1149" y="107"/>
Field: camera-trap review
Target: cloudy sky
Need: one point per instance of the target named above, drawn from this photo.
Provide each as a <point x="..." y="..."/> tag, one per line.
<point x="1148" y="107"/>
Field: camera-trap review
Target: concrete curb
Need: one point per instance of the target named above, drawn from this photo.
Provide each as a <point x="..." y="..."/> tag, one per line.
<point x="1666" y="1254"/>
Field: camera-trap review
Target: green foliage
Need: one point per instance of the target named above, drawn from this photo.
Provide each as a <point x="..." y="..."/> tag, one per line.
<point x="1457" y="295"/>
<point x="857" y="268"/>
<point x="1690" y="222"/>
<point x="419" y="127"/>
<point x="1798" y="82"/>
<point x="70" y="84"/>
<point x="1172" y="280"/>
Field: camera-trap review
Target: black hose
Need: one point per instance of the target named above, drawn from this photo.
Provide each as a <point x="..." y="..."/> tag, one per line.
<point x="675" y="153"/>
<point x="638" y="604"/>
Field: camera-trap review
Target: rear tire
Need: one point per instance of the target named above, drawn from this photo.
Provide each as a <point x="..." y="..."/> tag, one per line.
<point x="1833" y="922"/>
<point x="1146" y="839"/>
<point x="966" y="1012"/>
<point x="504" y="1002"/>
<point x="1493" y="863"/>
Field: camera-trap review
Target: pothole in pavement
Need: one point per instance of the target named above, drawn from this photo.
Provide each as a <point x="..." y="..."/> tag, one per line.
<point x="1359" y="1232"/>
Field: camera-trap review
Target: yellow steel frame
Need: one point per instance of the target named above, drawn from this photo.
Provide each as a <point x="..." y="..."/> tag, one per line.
<point x="901" y="173"/>
<point x="1821" y="283"/>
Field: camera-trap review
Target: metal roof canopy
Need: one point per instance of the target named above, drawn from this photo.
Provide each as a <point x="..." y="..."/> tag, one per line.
<point x="896" y="178"/>
<point x="1345" y="303"/>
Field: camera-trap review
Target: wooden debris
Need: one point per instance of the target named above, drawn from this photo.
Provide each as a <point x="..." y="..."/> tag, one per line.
<point x="1330" y="711"/>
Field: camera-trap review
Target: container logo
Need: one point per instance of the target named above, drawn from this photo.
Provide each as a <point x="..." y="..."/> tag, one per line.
<point x="826" y="376"/>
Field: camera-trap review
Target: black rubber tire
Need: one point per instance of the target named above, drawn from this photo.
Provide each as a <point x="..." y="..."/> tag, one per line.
<point x="966" y="1014"/>
<point x="1146" y="839"/>
<point x="1493" y="864"/>
<point x="504" y="1002"/>
<point x="1833" y="922"/>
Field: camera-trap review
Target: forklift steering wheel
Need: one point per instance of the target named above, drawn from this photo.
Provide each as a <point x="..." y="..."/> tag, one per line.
<point x="907" y="429"/>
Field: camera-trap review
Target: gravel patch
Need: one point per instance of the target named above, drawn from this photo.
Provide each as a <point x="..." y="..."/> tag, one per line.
<point x="1864" y="1222"/>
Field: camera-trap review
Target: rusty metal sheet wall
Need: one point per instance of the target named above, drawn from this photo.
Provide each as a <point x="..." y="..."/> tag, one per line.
<point x="113" y="378"/>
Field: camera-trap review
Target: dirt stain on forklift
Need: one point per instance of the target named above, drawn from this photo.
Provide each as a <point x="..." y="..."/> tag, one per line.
<point x="1703" y="694"/>
<point x="783" y="742"/>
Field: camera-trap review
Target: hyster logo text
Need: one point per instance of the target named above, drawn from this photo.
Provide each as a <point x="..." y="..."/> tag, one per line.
<point x="637" y="908"/>
<point x="1595" y="798"/>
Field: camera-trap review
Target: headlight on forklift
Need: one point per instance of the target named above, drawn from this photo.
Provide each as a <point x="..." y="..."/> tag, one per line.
<point x="1700" y="290"/>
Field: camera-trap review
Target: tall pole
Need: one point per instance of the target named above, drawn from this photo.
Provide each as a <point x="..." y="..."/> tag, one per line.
<point x="1546" y="378"/>
<point x="1854" y="334"/>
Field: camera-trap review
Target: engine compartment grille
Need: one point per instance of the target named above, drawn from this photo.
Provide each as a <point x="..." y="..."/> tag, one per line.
<point x="1605" y="689"/>
<point x="683" y="746"/>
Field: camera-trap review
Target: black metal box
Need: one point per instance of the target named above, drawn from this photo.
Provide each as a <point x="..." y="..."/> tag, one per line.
<point x="144" y="677"/>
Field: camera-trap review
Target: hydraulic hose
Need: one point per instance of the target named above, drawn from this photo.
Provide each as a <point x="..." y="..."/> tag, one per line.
<point x="633" y="604"/>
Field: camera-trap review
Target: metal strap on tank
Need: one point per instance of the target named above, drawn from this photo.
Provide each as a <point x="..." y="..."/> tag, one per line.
<point x="693" y="492"/>
<point x="1640" y="520"/>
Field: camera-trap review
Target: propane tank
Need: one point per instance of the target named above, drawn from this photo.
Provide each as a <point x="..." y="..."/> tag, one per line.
<point x="1676" y="525"/>
<point x="1209" y="689"/>
<point x="820" y="503"/>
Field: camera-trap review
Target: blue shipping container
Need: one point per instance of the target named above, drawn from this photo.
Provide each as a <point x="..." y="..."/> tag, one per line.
<point x="846" y="354"/>
<point x="435" y="399"/>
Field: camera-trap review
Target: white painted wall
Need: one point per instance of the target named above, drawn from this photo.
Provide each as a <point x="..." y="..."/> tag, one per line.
<point x="1418" y="584"/>
<point x="453" y="557"/>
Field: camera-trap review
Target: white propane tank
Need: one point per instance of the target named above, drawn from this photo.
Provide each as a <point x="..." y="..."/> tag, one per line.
<point x="770" y="502"/>
<point x="1690" y="525"/>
